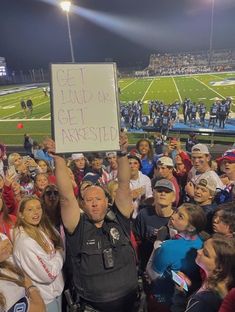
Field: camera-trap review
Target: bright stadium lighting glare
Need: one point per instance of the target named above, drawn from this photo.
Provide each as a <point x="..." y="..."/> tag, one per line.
<point x="137" y="30"/>
<point x="65" y="5"/>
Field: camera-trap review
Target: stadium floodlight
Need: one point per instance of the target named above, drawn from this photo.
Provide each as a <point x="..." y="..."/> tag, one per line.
<point x="66" y="5"/>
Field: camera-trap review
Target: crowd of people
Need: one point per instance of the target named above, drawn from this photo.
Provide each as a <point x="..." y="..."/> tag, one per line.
<point x="191" y="62"/>
<point x="144" y="229"/>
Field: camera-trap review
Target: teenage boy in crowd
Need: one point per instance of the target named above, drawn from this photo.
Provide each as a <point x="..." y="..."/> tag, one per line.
<point x="140" y="184"/>
<point x="227" y="165"/>
<point x="204" y="194"/>
<point x="151" y="218"/>
<point x="112" y="167"/>
<point x="164" y="169"/>
<point x="201" y="166"/>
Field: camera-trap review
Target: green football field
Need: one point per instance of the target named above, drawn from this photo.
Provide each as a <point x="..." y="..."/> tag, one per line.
<point x="167" y="89"/>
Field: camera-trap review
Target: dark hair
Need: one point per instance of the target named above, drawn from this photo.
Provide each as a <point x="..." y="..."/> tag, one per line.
<point x="150" y="152"/>
<point x="136" y="158"/>
<point x="228" y="215"/>
<point x="52" y="211"/>
<point x="49" y="169"/>
<point x="197" y="216"/>
<point x="225" y="262"/>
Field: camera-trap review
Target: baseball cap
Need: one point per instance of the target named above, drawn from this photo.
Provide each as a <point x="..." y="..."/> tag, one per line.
<point x="208" y="181"/>
<point x="91" y="177"/>
<point x="228" y="155"/>
<point x="200" y="148"/>
<point x="77" y="156"/>
<point x="165" y="183"/>
<point x="111" y="154"/>
<point x="165" y="161"/>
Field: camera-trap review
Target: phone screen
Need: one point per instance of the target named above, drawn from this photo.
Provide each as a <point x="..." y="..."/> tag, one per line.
<point x="179" y="280"/>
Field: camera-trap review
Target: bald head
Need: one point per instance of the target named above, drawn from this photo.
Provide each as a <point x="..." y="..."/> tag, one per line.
<point x="95" y="204"/>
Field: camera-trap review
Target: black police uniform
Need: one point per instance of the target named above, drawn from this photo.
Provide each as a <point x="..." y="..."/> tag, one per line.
<point x="103" y="263"/>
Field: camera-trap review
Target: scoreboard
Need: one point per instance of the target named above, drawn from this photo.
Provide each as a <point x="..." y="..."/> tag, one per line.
<point x="3" y="70"/>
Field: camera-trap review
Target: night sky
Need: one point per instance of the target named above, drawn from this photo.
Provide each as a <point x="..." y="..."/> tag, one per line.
<point x="33" y="33"/>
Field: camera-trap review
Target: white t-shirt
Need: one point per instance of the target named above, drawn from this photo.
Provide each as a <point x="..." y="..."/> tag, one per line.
<point x="144" y="182"/>
<point x="44" y="269"/>
<point x="15" y="296"/>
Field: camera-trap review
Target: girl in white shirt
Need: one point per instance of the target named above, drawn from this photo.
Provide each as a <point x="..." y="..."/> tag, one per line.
<point x="38" y="250"/>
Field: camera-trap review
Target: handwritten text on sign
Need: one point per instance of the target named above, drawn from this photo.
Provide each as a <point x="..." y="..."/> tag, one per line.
<point x="85" y="107"/>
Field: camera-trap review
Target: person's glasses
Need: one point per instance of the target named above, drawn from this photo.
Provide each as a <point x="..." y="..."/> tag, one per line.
<point x="49" y="193"/>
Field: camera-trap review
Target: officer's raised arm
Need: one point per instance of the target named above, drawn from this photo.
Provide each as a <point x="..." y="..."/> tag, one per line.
<point x="123" y="197"/>
<point x="70" y="211"/>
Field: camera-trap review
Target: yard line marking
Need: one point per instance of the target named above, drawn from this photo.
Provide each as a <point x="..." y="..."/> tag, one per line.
<point x="45" y="116"/>
<point x="5" y="117"/>
<point x="209" y="88"/>
<point x="24" y="119"/>
<point x="147" y="89"/>
<point x="128" y="85"/>
<point x="177" y="89"/>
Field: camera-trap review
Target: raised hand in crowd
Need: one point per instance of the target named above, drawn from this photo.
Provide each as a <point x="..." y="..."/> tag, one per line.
<point x="9" y="178"/>
<point x="137" y="192"/>
<point x="189" y="188"/>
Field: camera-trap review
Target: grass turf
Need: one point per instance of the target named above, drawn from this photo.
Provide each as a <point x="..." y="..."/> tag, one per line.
<point x="167" y="89"/>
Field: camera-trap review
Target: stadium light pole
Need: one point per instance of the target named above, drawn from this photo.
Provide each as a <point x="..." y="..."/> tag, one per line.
<point x="66" y="5"/>
<point x="211" y="30"/>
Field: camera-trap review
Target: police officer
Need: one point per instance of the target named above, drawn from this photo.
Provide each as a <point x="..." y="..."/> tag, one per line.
<point x="102" y="257"/>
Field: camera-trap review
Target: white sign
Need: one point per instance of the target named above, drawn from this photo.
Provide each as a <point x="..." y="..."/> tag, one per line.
<point x="85" y="107"/>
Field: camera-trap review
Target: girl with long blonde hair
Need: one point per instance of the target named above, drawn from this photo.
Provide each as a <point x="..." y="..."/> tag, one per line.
<point x="38" y="250"/>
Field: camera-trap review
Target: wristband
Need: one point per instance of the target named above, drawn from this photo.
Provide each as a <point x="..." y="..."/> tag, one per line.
<point x="121" y="153"/>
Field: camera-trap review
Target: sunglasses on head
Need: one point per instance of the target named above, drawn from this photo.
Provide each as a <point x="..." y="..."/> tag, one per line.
<point x="50" y="192"/>
<point x="163" y="189"/>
